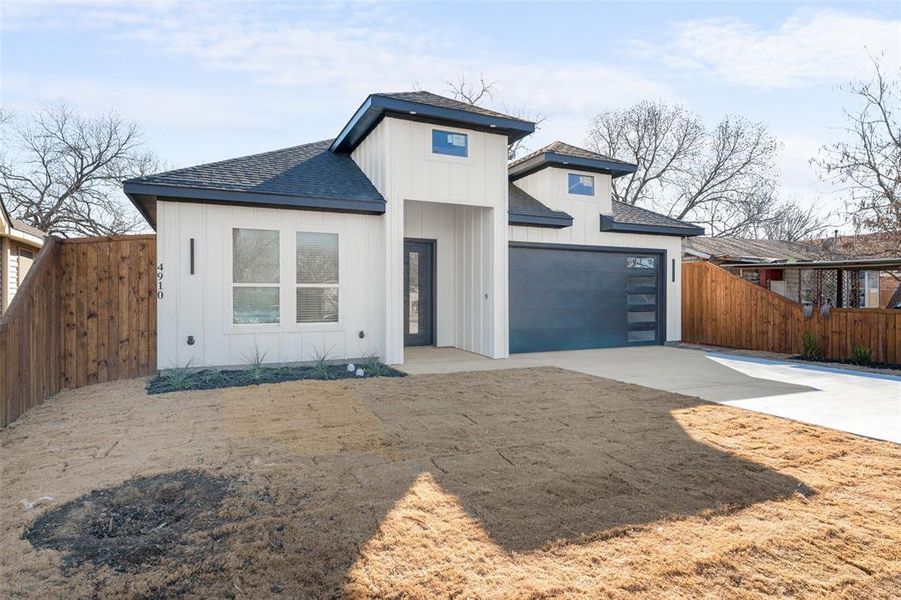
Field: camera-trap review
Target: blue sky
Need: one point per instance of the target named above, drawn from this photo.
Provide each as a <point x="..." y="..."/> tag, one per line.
<point x="213" y="80"/>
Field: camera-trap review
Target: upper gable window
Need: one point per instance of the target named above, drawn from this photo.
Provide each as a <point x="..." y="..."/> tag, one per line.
<point x="583" y="185"/>
<point x="448" y="142"/>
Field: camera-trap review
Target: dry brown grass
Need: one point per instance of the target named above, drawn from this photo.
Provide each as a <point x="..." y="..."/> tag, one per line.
<point x="529" y="483"/>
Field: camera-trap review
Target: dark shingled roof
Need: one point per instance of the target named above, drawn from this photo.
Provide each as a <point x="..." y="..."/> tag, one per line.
<point x="310" y="170"/>
<point x="568" y="150"/>
<point x="633" y="215"/>
<point x="521" y="203"/>
<point x="431" y="99"/>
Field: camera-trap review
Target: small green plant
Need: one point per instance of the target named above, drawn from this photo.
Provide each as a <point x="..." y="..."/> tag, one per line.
<point x="320" y="366"/>
<point x="254" y="362"/>
<point x="811" y="346"/>
<point x="180" y="378"/>
<point x="862" y="354"/>
<point x="372" y="364"/>
<point x="212" y="378"/>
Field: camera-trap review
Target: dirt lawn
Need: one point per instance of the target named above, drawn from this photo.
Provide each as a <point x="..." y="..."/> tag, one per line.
<point x="523" y="483"/>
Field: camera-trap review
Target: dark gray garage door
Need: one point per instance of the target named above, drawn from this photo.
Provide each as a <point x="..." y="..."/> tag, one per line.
<point x="563" y="298"/>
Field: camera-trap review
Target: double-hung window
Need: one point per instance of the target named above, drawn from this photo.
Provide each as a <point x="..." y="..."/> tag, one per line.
<point x="255" y="284"/>
<point x="317" y="277"/>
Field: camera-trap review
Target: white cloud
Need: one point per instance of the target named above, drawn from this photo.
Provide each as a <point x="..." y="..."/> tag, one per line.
<point x="809" y="47"/>
<point x="335" y="55"/>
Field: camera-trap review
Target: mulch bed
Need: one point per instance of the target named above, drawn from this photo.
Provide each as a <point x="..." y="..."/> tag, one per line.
<point x="848" y="361"/>
<point x="177" y="380"/>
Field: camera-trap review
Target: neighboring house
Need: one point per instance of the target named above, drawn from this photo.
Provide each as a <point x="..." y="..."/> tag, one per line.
<point x="19" y="244"/>
<point x="852" y="271"/>
<point x="409" y="228"/>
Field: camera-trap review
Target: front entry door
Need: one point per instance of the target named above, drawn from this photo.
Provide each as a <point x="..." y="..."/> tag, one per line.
<point x="419" y="293"/>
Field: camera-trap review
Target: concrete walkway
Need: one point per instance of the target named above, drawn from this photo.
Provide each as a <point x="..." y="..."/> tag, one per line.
<point x="857" y="402"/>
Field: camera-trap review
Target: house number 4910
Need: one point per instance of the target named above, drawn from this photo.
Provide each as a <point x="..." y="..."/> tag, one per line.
<point x="159" y="281"/>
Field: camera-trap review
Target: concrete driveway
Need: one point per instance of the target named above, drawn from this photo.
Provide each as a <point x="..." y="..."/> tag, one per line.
<point x="857" y="402"/>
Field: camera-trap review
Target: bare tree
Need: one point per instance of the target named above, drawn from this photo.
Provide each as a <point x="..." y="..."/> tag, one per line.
<point x="478" y="92"/>
<point x="868" y="161"/>
<point x="724" y="178"/>
<point x="791" y="222"/>
<point x="61" y="172"/>
<point x="469" y="91"/>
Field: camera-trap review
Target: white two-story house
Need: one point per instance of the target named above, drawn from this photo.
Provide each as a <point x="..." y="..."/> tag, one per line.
<point x="409" y="228"/>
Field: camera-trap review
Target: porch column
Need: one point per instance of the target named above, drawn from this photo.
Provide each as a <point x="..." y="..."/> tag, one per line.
<point x="394" y="282"/>
<point x="499" y="306"/>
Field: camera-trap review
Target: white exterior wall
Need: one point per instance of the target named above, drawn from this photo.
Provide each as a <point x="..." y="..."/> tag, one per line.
<point x="463" y="270"/>
<point x="200" y="304"/>
<point x="550" y="187"/>
<point x="397" y="156"/>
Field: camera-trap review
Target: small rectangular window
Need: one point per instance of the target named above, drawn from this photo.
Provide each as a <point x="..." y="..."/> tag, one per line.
<point x="648" y="335"/>
<point x="317" y="277"/>
<point x="641" y="299"/>
<point x="642" y="282"/>
<point x="641" y="262"/>
<point x="450" y="143"/>
<point x="582" y="185"/>
<point x="255" y="284"/>
<point x="642" y="317"/>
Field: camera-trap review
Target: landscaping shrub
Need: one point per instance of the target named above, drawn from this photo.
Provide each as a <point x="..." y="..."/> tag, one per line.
<point x="811" y="346"/>
<point x="862" y="354"/>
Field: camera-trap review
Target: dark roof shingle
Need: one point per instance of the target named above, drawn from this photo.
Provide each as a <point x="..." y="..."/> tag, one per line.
<point x="522" y="203"/>
<point x="431" y="99"/>
<point x="309" y="170"/>
<point x="633" y="215"/>
<point x="568" y="150"/>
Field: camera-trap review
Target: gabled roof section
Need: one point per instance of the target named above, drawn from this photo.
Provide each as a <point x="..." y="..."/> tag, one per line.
<point x="12" y="227"/>
<point x="632" y="219"/>
<point x="558" y="154"/>
<point x="307" y="176"/>
<point x="525" y="209"/>
<point x="429" y="107"/>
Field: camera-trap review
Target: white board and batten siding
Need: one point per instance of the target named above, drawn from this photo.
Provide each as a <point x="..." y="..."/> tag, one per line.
<point x="472" y="246"/>
<point x="550" y="186"/>
<point x="199" y="305"/>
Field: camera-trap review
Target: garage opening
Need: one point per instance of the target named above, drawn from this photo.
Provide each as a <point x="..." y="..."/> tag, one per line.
<point x="578" y="297"/>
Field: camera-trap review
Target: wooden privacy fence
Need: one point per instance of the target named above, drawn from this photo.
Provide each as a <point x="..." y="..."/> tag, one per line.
<point x="85" y="314"/>
<point x="722" y="309"/>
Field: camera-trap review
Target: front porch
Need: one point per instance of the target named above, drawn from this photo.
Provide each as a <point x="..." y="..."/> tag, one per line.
<point x="454" y="279"/>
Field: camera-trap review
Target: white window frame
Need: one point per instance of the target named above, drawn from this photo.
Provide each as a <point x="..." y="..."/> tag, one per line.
<point x="230" y="279"/>
<point x="337" y="286"/>
<point x="594" y="186"/>
<point x="287" y="276"/>
<point x="448" y="158"/>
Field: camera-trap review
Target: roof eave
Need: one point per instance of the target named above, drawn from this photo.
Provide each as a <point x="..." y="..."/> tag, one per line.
<point x="557" y="220"/>
<point x="555" y="159"/>
<point x="609" y="224"/>
<point x="375" y="107"/>
<point x="214" y="196"/>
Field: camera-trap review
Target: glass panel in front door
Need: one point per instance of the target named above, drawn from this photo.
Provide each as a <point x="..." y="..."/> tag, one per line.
<point x="413" y="294"/>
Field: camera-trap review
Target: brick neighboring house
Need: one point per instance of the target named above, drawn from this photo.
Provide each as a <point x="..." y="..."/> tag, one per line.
<point x="19" y="244"/>
<point x="861" y="271"/>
